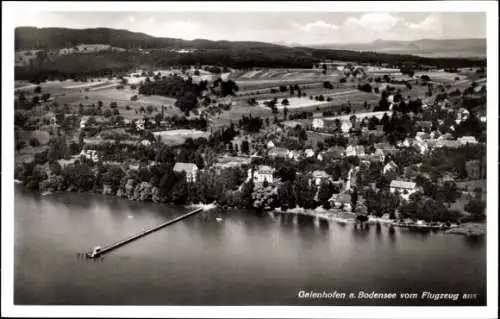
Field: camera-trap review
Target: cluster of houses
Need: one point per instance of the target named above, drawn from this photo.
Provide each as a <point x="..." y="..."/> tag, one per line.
<point x="424" y="141"/>
<point x="264" y="173"/>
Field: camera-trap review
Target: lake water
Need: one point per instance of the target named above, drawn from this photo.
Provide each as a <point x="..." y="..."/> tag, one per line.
<point x="243" y="260"/>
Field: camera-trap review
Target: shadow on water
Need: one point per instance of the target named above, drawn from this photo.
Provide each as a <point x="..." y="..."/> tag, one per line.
<point x="475" y="241"/>
<point x="341" y="225"/>
<point x="378" y="230"/>
<point x="324" y="224"/>
<point x="360" y="230"/>
<point x="288" y="220"/>
<point x="421" y="234"/>
<point x="73" y="200"/>
<point x="391" y="232"/>
<point x="302" y="222"/>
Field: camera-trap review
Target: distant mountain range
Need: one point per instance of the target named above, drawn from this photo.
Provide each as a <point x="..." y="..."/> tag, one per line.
<point x="463" y="48"/>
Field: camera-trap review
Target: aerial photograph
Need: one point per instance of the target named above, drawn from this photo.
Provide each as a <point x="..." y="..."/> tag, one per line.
<point x="250" y="158"/>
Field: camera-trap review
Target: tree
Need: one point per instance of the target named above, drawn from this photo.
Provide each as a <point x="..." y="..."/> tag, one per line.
<point x="210" y="188"/>
<point x="158" y="118"/>
<point x="286" y="196"/>
<point x="449" y="192"/>
<point x="476" y="208"/>
<point x="20" y="118"/>
<point x="383" y="104"/>
<point x="45" y="96"/>
<point x="57" y="148"/>
<point x="149" y="109"/>
<point x="408" y="72"/>
<point x="327" y="85"/>
<point x="187" y="102"/>
<point x="112" y="177"/>
<point x="37" y="90"/>
<point x="425" y="78"/>
<point x="354" y="197"/>
<point x="165" y="155"/>
<point x="79" y="176"/>
<point x="286" y="173"/>
<point x="365" y="87"/>
<point x="246" y="195"/>
<point x="326" y="190"/>
<point x="361" y="209"/>
<point x="245" y="147"/>
<point x="305" y="192"/>
<point x="381" y="202"/>
<point x="228" y="87"/>
<point x="180" y="191"/>
<point x="252" y="101"/>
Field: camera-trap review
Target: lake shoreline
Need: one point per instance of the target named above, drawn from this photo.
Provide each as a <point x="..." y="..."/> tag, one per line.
<point x="470" y="229"/>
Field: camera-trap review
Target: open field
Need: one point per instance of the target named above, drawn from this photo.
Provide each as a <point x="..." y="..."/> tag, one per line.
<point x="276" y="74"/>
<point x="86" y="85"/>
<point x="53" y="87"/>
<point x="267" y="84"/>
<point x="136" y="77"/>
<point x="267" y="89"/>
<point x="295" y="102"/>
<point x="440" y="76"/>
<point x="232" y="161"/>
<point x="176" y="137"/>
<point x="271" y="78"/>
<point x="314" y="89"/>
<point x="122" y="97"/>
<point x="340" y="95"/>
<point x="241" y="108"/>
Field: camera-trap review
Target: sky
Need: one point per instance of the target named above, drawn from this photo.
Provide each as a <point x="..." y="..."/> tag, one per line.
<point x="275" y="27"/>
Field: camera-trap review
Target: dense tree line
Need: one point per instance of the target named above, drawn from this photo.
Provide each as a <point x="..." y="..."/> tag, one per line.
<point x="251" y="124"/>
<point x="452" y="160"/>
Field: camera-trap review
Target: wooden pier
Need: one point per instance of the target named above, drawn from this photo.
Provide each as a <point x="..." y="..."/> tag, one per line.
<point x="122" y="242"/>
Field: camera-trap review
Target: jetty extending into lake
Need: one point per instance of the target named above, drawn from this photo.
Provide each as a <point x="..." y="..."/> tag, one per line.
<point x="101" y="251"/>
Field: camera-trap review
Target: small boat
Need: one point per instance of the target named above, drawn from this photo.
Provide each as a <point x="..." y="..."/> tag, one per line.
<point x="95" y="252"/>
<point x="46" y="193"/>
<point x="130" y="216"/>
<point x="17" y="181"/>
<point x="218" y="219"/>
